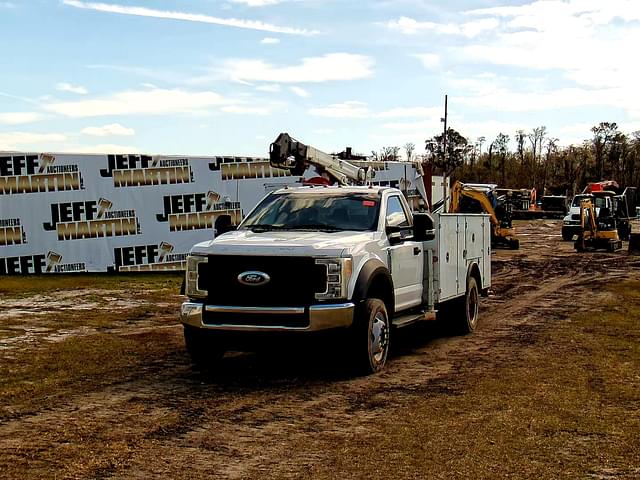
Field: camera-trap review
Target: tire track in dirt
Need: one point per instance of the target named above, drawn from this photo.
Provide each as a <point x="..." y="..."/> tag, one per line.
<point x="250" y="419"/>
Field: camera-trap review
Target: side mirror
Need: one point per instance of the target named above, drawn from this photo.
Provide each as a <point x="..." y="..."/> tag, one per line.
<point x="394" y="233"/>
<point x="223" y="225"/>
<point x="423" y="227"/>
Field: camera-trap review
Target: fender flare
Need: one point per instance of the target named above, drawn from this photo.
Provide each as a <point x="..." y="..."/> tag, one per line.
<point x="474" y="271"/>
<point x="373" y="271"/>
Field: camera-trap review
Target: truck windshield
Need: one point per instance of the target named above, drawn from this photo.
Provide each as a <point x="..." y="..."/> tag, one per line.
<point x="578" y="198"/>
<point x="314" y="211"/>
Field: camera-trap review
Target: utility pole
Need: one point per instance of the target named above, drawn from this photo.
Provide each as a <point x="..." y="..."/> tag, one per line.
<point x="444" y="155"/>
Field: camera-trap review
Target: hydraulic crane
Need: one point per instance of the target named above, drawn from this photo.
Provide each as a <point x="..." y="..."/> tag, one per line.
<point x="290" y="154"/>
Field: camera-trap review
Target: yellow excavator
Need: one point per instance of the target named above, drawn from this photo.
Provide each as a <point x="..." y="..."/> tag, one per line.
<point x="477" y="198"/>
<point x="598" y="230"/>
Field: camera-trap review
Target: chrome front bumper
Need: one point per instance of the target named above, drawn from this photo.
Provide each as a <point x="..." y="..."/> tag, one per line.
<point x="321" y="317"/>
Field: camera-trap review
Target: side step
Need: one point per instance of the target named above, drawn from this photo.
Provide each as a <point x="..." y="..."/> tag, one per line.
<point x="412" y="318"/>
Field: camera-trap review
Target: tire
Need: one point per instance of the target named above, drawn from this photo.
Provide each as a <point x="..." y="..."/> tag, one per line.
<point x="566" y="235"/>
<point x="203" y="347"/>
<point x="466" y="309"/>
<point x="514" y="244"/>
<point x="370" y="337"/>
<point x="624" y="232"/>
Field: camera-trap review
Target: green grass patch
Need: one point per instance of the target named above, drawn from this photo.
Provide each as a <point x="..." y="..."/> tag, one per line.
<point x="27" y="285"/>
<point x="37" y="378"/>
<point x="565" y="406"/>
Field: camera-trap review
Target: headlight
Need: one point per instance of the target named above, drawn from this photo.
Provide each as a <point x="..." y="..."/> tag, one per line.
<point x="191" y="280"/>
<point x="338" y="276"/>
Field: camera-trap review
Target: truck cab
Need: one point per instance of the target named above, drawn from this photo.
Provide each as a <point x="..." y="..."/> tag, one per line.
<point x="354" y="260"/>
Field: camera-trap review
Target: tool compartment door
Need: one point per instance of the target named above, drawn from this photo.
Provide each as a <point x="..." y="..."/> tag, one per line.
<point x="449" y="252"/>
<point x="475" y="249"/>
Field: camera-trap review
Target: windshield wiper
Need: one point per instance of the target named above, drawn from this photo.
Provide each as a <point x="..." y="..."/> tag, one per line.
<point x="265" y="228"/>
<point x="316" y="226"/>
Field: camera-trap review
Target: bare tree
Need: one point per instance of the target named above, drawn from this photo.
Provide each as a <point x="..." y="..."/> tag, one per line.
<point x="520" y="136"/>
<point x="409" y="148"/>
<point x="501" y="144"/>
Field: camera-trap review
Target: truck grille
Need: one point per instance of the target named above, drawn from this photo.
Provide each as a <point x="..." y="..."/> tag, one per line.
<point x="294" y="281"/>
<point x="263" y="320"/>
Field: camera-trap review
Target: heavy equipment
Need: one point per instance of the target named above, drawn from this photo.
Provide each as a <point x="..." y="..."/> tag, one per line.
<point x="289" y="154"/>
<point x="598" y="230"/>
<point x="481" y="198"/>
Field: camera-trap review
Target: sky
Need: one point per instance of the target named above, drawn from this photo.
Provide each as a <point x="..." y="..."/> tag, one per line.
<point x="208" y="77"/>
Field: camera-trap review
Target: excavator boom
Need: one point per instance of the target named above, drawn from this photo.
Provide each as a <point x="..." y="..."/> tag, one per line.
<point x="501" y="234"/>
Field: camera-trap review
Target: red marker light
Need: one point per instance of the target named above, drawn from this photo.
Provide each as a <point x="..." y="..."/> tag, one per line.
<point x="368" y="203"/>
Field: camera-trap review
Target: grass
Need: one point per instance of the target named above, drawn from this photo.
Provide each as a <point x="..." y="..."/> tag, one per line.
<point x="28" y="285"/>
<point x="564" y="407"/>
<point x="38" y="378"/>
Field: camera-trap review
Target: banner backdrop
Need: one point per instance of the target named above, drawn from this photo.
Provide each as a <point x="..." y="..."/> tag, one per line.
<point x="112" y="213"/>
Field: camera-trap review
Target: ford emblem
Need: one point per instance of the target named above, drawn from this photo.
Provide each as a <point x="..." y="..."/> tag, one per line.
<point x="253" y="279"/>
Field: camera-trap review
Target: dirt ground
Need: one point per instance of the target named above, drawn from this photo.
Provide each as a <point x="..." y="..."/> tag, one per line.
<point x="95" y="383"/>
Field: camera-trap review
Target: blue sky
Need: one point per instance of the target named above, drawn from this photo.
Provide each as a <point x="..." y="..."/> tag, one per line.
<point x="208" y="77"/>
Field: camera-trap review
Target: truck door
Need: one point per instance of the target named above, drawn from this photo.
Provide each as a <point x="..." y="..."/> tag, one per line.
<point x="405" y="256"/>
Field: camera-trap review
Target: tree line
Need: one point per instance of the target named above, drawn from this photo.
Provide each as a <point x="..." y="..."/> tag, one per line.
<point x="537" y="161"/>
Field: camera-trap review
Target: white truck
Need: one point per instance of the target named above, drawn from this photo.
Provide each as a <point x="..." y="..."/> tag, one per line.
<point x="353" y="260"/>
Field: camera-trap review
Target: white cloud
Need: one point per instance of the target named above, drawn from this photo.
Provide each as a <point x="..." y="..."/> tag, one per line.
<point x="410" y="26"/>
<point x="28" y="140"/>
<point x="67" y="87"/>
<point x="102" y="148"/>
<point x="407" y="112"/>
<point x="270" y="41"/>
<point x="355" y="109"/>
<point x="269" y="88"/>
<point x="330" y="67"/>
<point x="247" y="110"/>
<point x="189" y="17"/>
<point x="135" y="102"/>
<point x="258" y="3"/>
<point x="348" y="109"/>
<point x="429" y="60"/>
<point x="113" y="129"/>
<point x="19" y="118"/>
<point x="300" y="92"/>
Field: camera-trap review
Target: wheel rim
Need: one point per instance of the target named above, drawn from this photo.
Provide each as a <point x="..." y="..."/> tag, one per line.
<point x="472" y="307"/>
<point x="379" y="338"/>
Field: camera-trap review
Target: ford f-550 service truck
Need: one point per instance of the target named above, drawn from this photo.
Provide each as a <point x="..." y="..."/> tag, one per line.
<point x="354" y="260"/>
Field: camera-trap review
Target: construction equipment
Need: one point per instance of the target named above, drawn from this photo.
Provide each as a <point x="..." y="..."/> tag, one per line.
<point x="289" y="154"/>
<point x="480" y="198"/>
<point x="598" y="230"/>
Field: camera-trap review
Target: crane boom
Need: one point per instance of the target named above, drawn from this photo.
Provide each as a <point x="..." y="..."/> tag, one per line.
<point x="288" y="153"/>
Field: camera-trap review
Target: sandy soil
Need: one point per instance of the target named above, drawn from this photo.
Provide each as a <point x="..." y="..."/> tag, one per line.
<point x="279" y="415"/>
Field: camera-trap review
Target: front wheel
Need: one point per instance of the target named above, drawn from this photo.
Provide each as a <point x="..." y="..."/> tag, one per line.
<point x="371" y="334"/>
<point x="203" y="347"/>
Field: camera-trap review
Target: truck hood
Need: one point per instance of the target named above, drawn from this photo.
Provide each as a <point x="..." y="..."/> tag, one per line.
<point x="296" y="243"/>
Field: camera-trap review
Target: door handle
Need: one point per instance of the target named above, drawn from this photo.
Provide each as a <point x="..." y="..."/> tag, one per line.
<point x="416" y="250"/>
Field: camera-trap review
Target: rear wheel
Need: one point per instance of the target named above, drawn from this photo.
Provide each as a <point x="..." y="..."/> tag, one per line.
<point x="467" y="308"/>
<point x="203" y="347"/>
<point x="566" y="235"/>
<point x="371" y="334"/>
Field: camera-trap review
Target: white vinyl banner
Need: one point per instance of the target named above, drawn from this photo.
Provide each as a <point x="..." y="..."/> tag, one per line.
<point x="112" y="213"/>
